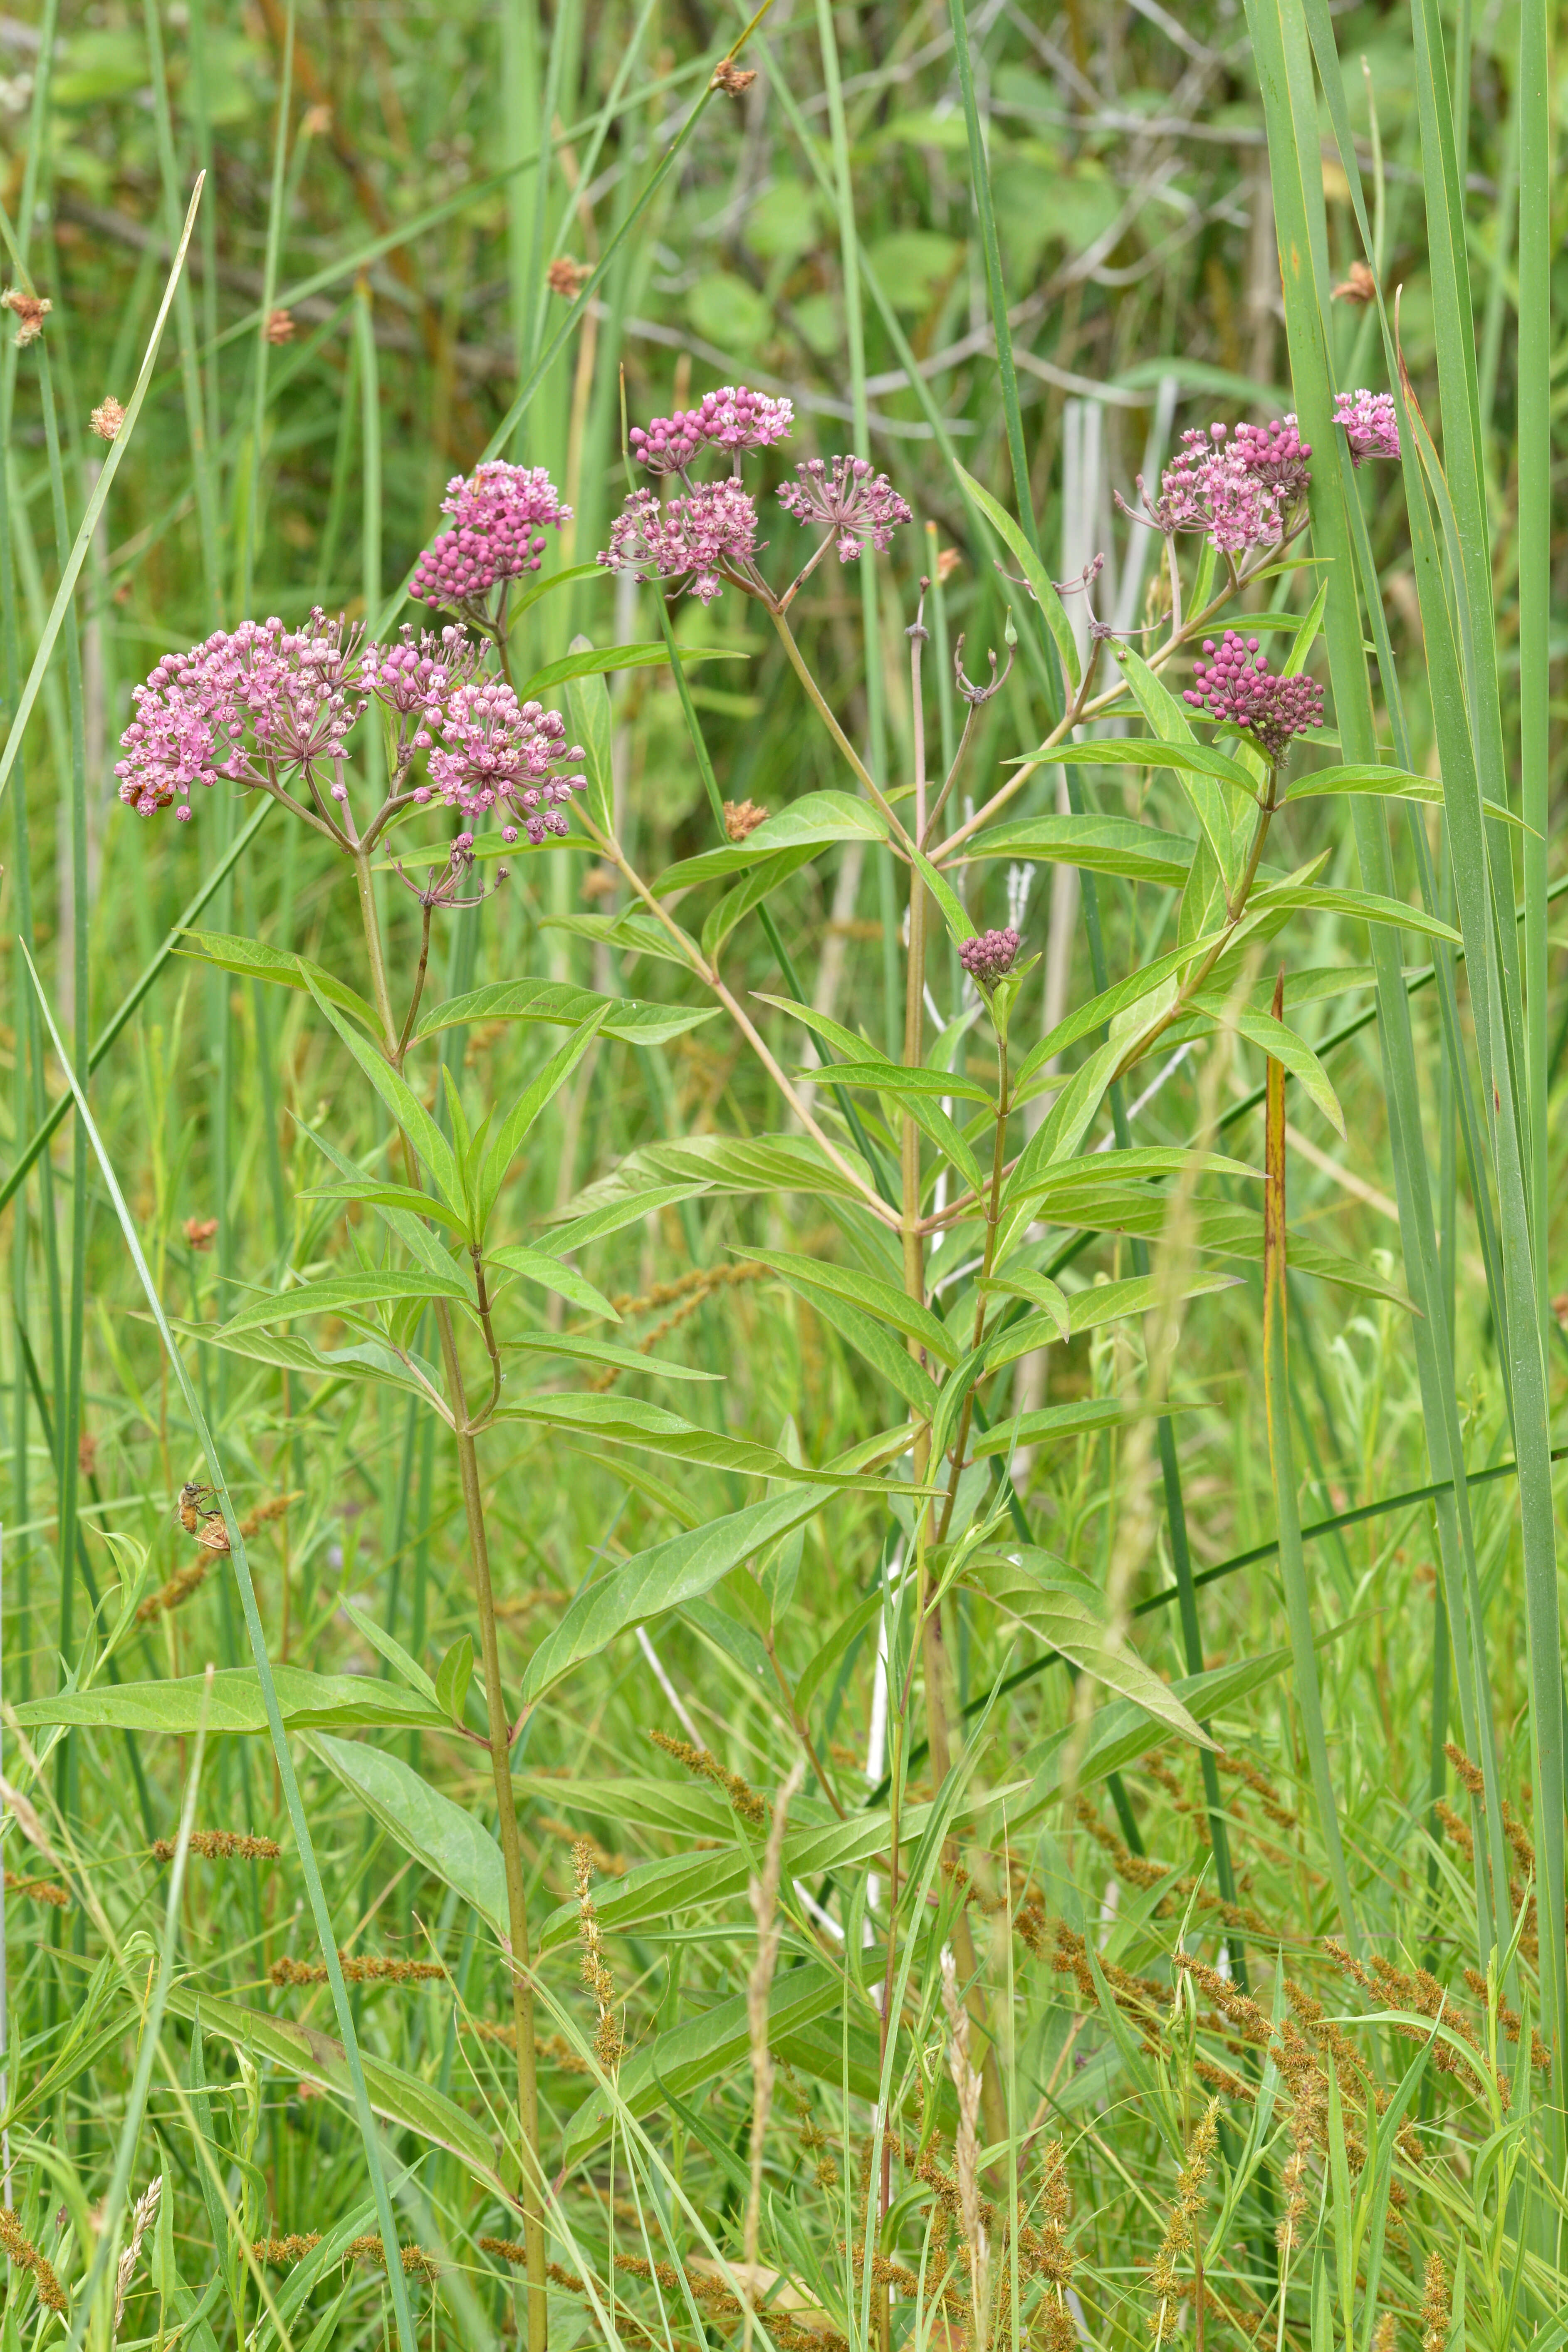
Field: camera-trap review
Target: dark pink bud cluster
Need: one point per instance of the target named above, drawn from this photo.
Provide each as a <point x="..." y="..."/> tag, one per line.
<point x="846" y="496"/>
<point x="1237" y="685"/>
<point x="699" y="538"/>
<point x="1275" y="455"/>
<point x="732" y="419"/>
<point x="1371" y="424"/>
<point x="990" y="957"/>
<point x="494" y="753"/>
<point x="296" y="692"/>
<point x="497" y="514"/>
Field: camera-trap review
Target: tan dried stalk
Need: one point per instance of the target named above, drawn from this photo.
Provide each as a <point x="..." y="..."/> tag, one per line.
<point x="763" y="1895"/>
<point x="966" y="2145"/>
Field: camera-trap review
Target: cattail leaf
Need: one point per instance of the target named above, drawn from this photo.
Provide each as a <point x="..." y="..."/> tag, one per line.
<point x="1102" y="844"/>
<point x="306" y="1701"/>
<point x="253" y="960"/>
<point x="815" y="820"/>
<point x="654" y="1582"/>
<point x="553" y="1001"/>
<point x="879" y="1298"/>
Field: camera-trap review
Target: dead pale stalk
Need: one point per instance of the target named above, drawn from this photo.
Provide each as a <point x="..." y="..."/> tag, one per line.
<point x="763" y="1894"/>
<point x="966" y="2145"/>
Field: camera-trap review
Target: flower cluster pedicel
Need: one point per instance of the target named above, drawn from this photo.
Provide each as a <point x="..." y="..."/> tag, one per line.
<point x="498" y="518"/>
<point x="1236" y="684"/>
<point x="847" y="497"/>
<point x="1371" y="425"/>
<point x="990" y="957"/>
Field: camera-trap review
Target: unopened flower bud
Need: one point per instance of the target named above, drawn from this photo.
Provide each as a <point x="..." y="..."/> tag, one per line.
<point x="990" y="957"/>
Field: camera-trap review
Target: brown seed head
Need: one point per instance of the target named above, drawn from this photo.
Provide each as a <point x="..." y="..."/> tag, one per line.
<point x="106" y="418"/>
<point x="37" y="1890"/>
<point x="947" y="563"/>
<point x="293" y="2248"/>
<point x="1358" y="286"/>
<point x="200" y="1232"/>
<point x="1436" y="2308"/>
<point x="29" y="310"/>
<point x="280" y="326"/>
<point x="220" y="1845"/>
<point x="742" y="817"/>
<point x="732" y="80"/>
<point x="567" y="277"/>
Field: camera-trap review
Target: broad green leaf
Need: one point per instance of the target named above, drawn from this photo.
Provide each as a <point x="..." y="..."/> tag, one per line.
<point x="814" y="820"/>
<point x="1214" y="811"/>
<point x="1063" y="1622"/>
<point x="366" y="1360"/>
<point x="631" y="932"/>
<point x="717" y="1163"/>
<point x="1292" y="1053"/>
<point x="253" y="960"/>
<point x="854" y="1047"/>
<point x="852" y="1628"/>
<point x="309" y="1702"/>
<point x="547" y="1000"/>
<point x="387" y="1646"/>
<point x="685" y="2059"/>
<point x="586" y="1350"/>
<point x="304" y="2051"/>
<point x="1191" y="758"/>
<point x="452" y="1844"/>
<point x="1120" y="1730"/>
<point x="535" y="1266"/>
<point x="900" y="1078"/>
<point x="404" y="1106"/>
<point x="578" y="1231"/>
<point x="954" y="913"/>
<point x="1229" y="1232"/>
<point x="521" y="599"/>
<point x="453" y="1675"/>
<point x="1395" y="784"/>
<point x="879" y="1298"/>
<point x="587" y="700"/>
<point x="1058" y="1424"/>
<point x="1365" y="906"/>
<point x="1052" y="611"/>
<point x="1108" y="1302"/>
<point x="597" y="659"/>
<point x="1099" y="1011"/>
<point x="1101" y="844"/>
<point x="1040" y="1289"/>
<point x="339" y="1294"/>
<point x="401" y="1198"/>
<point x="758" y="885"/>
<point x="513" y="1131"/>
<point x="656" y="1581"/>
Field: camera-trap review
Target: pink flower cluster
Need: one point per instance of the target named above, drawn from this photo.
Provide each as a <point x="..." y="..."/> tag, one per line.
<point x="301" y="690"/>
<point x="730" y="420"/>
<point x="700" y="538"/>
<point x="1371" y="424"/>
<point x="845" y="496"/>
<point x="494" y="753"/>
<point x="1237" y="685"/>
<point x="1236" y="489"/>
<point x="989" y="957"/>
<point x="497" y="514"/>
<point x="418" y="673"/>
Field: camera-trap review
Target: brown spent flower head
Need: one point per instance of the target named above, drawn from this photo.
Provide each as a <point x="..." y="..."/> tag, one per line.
<point x="742" y="817"/>
<point x="316" y="122"/>
<point x="86" y="1453"/>
<point x="358" y="1968"/>
<point x="37" y="1890"/>
<point x="1358" y="286"/>
<point x="1178" y="2238"/>
<point x="201" y="1232"/>
<point x="282" y="2251"/>
<point x="280" y="326"/>
<point x="596" y="1977"/>
<point x="1470" y="1774"/>
<point x="27" y="2257"/>
<point x="732" y="80"/>
<point x="29" y="310"/>
<point x="707" y="1767"/>
<point x="416" y="2261"/>
<point x="947" y="563"/>
<point x="106" y="418"/>
<point x="567" y="277"/>
<point x="220" y="1845"/>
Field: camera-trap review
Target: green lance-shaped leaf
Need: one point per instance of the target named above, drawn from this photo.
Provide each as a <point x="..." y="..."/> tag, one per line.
<point x="338" y="1293"/>
<point x="578" y="1232"/>
<point x="594" y="661"/>
<point x="758" y="885"/>
<point x="883" y="1300"/>
<point x="307" y="1702"/>
<point x="814" y="820"/>
<point x="1183" y="756"/>
<point x="405" y="1107"/>
<point x="1214" y="811"/>
<point x="454" y="1845"/>
<point x="1062" y="1619"/>
<point x="1283" y="1045"/>
<point x="535" y="1266"/>
<point x="659" y="1580"/>
<point x="453" y="1675"/>
<point x="510" y="1137"/>
<point x="553" y="1001"/>
<point x="364" y="1359"/>
<point x="1102" y="844"/>
<point x="1052" y="610"/>
<point x="1365" y="906"/>
<point x="253" y="960"/>
<point x="588" y="723"/>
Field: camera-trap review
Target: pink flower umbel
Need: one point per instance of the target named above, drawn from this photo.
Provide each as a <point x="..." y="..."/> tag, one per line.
<point x="990" y="957"/>
<point x="730" y="420"/>
<point x="709" y="534"/>
<point x="1237" y="685"/>
<point x="497" y="516"/>
<point x="1236" y="491"/>
<point x="846" y="497"/>
<point x="1275" y="455"/>
<point x="496" y="753"/>
<point x="1372" y="426"/>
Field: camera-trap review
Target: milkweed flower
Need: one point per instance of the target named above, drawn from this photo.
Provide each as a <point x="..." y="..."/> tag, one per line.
<point x="729" y="420"/>
<point x="1371" y="424"/>
<point x="1236" y="684"/>
<point x="990" y="957"/>
<point x="845" y="496"/>
<point x="1235" y="489"/>
<point x="492" y="752"/>
<point x="702" y="538"/>
<point x="498" y="514"/>
<point x="1275" y="455"/>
